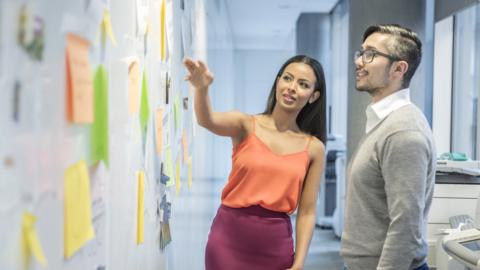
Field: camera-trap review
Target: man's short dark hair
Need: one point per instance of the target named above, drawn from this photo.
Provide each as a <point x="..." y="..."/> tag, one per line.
<point x="405" y="45"/>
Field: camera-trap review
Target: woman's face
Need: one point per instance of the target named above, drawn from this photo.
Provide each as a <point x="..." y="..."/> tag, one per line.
<point x="295" y="87"/>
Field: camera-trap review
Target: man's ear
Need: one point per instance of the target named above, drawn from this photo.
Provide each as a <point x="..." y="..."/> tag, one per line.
<point x="401" y="67"/>
<point x="314" y="96"/>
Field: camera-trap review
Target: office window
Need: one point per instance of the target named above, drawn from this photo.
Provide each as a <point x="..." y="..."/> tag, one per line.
<point x="466" y="82"/>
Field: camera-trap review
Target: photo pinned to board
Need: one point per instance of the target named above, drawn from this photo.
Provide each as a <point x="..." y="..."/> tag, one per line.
<point x="17" y="88"/>
<point x="164" y="210"/>
<point x="31" y="33"/>
<point x="167" y="87"/>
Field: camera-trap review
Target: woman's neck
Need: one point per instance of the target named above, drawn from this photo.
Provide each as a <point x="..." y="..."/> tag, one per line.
<point x="284" y="121"/>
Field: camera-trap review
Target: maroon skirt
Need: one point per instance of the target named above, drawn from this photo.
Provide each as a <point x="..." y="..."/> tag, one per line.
<point x="249" y="238"/>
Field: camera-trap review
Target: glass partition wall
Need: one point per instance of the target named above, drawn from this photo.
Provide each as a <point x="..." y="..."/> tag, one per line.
<point x="466" y="82"/>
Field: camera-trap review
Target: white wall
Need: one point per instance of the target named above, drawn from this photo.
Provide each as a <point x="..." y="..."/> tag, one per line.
<point x="256" y="71"/>
<point x="442" y="84"/>
<point x="337" y="93"/>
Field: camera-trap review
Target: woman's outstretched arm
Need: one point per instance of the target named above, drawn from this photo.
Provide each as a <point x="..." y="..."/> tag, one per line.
<point x="221" y="123"/>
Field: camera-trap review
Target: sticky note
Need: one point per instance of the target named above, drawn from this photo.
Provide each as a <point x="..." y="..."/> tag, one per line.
<point x="107" y="27"/>
<point x="140" y="206"/>
<point x="185" y="146"/>
<point x="78" y="228"/>
<point x="133" y="86"/>
<point x="142" y="11"/>
<point x="159" y="130"/>
<point x="99" y="130"/>
<point x="176" y="112"/>
<point x="30" y="242"/>
<point x="163" y="35"/>
<point x="189" y="172"/>
<point x="79" y="87"/>
<point x="144" y="104"/>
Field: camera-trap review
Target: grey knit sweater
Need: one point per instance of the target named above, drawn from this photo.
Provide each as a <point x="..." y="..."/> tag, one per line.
<point x="390" y="182"/>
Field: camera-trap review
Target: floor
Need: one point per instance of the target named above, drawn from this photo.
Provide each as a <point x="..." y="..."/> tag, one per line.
<point x="323" y="252"/>
<point x="192" y="214"/>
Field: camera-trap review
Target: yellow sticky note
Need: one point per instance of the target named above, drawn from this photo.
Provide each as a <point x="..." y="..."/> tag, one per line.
<point x="189" y="172"/>
<point x="159" y="130"/>
<point x="107" y="27"/>
<point x="185" y="146"/>
<point x="169" y="166"/>
<point x="79" y="92"/>
<point x="163" y="35"/>
<point x="178" y="184"/>
<point x="140" y="206"/>
<point x="78" y="228"/>
<point x="25" y="245"/>
<point x="133" y="87"/>
<point x="30" y="242"/>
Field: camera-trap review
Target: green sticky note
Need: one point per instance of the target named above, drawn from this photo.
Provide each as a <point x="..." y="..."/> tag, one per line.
<point x="99" y="130"/>
<point x="144" y="106"/>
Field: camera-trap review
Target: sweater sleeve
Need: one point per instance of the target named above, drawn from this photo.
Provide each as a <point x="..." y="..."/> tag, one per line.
<point x="404" y="164"/>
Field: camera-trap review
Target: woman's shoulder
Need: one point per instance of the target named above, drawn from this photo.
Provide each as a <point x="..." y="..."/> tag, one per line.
<point x="316" y="148"/>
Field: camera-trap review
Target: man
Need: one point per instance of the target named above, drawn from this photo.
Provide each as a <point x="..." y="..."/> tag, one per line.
<point x="391" y="174"/>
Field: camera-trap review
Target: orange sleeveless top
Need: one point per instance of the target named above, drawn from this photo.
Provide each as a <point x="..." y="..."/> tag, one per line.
<point x="261" y="177"/>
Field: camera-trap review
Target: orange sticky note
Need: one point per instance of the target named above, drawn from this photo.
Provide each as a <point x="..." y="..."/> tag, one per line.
<point x="78" y="228"/>
<point x="133" y="87"/>
<point x="140" y="206"/>
<point x="79" y="85"/>
<point x="159" y="130"/>
<point x="185" y="146"/>
<point x="163" y="35"/>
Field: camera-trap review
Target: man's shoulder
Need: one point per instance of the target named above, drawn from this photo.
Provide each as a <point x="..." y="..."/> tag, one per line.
<point x="405" y="122"/>
<point x="408" y="117"/>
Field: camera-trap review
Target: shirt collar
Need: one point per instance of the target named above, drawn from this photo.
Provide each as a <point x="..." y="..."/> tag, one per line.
<point x="377" y="111"/>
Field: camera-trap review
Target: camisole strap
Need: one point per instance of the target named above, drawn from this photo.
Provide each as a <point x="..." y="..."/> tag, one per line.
<point x="309" y="139"/>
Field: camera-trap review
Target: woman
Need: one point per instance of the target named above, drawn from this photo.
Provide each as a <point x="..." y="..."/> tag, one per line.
<point x="277" y="161"/>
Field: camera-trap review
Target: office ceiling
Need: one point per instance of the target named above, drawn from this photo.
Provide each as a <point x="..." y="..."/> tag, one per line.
<point x="269" y="24"/>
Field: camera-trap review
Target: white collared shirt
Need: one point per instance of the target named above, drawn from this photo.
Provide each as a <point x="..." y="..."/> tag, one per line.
<point x="377" y="111"/>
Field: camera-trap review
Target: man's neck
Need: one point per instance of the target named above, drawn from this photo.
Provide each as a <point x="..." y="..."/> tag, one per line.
<point x="385" y="92"/>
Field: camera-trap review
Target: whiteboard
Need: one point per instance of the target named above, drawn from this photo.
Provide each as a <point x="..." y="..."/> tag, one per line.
<point x="37" y="144"/>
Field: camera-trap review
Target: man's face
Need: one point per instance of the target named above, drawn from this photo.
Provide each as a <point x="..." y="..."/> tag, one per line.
<point x="373" y="76"/>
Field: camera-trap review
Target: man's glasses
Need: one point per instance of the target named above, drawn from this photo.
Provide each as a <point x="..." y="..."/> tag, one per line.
<point x="368" y="55"/>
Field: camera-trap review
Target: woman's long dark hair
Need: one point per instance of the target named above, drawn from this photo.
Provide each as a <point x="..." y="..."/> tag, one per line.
<point x="312" y="117"/>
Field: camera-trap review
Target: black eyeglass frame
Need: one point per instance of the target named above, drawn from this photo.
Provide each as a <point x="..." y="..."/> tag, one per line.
<point x="374" y="53"/>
